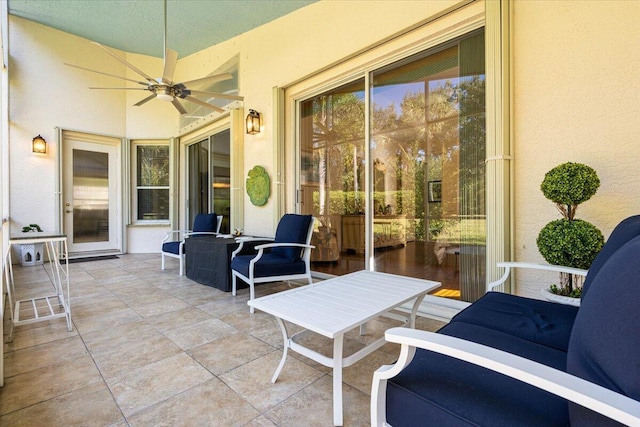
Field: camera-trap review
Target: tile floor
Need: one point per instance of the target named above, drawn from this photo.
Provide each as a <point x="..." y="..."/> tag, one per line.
<point x="150" y="348"/>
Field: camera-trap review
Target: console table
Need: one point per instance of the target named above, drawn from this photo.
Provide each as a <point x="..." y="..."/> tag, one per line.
<point x="45" y="307"/>
<point x="208" y="259"/>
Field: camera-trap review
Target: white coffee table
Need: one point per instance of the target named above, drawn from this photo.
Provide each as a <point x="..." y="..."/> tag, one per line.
<point x="335" y="306"/>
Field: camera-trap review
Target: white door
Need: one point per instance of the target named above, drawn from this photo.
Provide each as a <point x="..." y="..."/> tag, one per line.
<point x="91" y="205"/>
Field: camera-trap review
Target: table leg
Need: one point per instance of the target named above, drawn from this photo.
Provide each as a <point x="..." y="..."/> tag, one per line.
<point x="337" y="379"/>
<point x="414" y="310"/>
<point x="285" y="349"/>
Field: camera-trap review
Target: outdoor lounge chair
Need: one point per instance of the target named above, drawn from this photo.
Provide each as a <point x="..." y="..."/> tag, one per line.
<point x="287" y="258"/>
<point x="203" y="224"/>
<point x="511" y="361"/>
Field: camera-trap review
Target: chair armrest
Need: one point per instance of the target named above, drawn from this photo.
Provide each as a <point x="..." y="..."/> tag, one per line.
<point x="200" y="233"/>
<point x="243" y="239"/>
<point x="284" y="245"/>
<point x="599" y="399"/>
<point x="172" y="232"/>
<point x="530" y="265"/>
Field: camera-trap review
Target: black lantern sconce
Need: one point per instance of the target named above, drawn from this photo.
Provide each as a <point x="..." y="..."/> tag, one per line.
<point x="39" y="145"/>
<point x="253" y="122"/>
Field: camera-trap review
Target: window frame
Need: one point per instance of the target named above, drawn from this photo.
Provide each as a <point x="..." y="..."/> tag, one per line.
<point x="134" y="181"/>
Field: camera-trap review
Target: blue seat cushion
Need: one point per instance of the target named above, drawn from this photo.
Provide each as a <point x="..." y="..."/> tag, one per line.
<point x="621" y="234"/>
<point x="292" y="228"/>
<point x="542" y="322"/>
<point x="269" y="265"/>
<point x="171" y="247"/>
<point x="442" y="391"/>
<point x="605" y="341"/>
<point x="205" y="223"/>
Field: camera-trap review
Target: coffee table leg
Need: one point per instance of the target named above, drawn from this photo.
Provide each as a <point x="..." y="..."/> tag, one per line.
<point x="337" y="379"/>
<point x="414" y="310"/>
<point x="285" y="349"/>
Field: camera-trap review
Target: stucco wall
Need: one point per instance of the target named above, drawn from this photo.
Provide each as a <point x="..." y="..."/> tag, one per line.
<point x="577" y="98"/>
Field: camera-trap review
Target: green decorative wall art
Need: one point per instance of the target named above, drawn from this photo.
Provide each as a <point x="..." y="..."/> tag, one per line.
<point x="258" y="186"/>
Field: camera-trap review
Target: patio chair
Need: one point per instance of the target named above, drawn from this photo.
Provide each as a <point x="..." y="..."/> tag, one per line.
<point x="203" y="224"/>
<point x="287" y="258"/>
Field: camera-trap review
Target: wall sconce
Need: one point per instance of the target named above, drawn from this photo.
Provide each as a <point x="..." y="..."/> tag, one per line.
<point x="253" y="122"/>
<point x="39" y="145"/>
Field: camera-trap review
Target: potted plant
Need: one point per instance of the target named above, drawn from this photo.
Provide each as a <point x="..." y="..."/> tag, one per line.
<point x="569" y="241"/>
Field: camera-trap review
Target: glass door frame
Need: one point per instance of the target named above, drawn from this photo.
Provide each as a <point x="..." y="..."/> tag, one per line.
<point x="495" y="18"/>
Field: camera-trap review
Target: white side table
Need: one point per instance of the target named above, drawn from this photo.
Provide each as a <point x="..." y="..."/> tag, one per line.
<point x="45" y="307"/>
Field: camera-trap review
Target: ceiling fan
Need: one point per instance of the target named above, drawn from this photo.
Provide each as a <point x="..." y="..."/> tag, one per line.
<point x="164" y="88"/>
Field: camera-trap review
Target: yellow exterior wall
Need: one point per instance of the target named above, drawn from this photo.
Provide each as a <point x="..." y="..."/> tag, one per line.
<point x="577" y="98"/>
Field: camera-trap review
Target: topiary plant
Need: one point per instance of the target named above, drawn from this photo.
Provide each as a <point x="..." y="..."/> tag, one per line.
<point x="570" y="242"/>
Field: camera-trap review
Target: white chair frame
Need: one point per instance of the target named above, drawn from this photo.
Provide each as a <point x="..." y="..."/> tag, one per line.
<point x="251" y="280"/>
<point x="185" y="234"/>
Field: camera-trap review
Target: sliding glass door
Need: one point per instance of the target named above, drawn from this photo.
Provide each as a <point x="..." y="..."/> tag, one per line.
<point x="419" y="189"/>
<point x="209" y="178"/>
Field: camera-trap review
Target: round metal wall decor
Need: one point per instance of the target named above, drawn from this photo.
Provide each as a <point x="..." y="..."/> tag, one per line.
<point x="258" y="186"/>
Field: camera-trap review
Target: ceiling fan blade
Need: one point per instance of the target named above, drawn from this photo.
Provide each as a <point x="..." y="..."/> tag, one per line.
<point x="178" y="106"/>
<point x="106" y="74"/>
<point x="170" y="61"/>
<point x="120" y="88"/>
<point x="137" y="70"/>
<point x="204" y="104"/>
<point x="148" y="98"/>
<point x="210" y="79"/>
<point x="217" y="95"/>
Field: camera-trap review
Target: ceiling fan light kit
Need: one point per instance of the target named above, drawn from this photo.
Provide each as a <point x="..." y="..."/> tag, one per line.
<point x="164" y="88"/>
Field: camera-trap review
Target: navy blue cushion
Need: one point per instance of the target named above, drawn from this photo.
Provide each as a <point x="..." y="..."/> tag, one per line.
<point x="171" y="247"/>
<point x="442" y="391"/>
<point x="605" y="342"/>
<point x="292" y="228"/>
<point x="625" y="231"/>
<point x="542" y="322"/>
<point x="205" y="222"/>
<point x="269" y="265"/>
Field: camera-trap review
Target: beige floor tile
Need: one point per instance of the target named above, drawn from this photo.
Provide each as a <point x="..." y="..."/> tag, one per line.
<point x="36" y="357"/>
<point x="245" y="321"/>
<point x="230" y="352"/>
<point x="260" y="421"/>
<point x="119" y="357"/>
<point x="51" y="381"/>
<point x="89" y="406"/>
<point x="196" y="334"/>
<point x="155" y="382"/>
<point x="38" y="333"/>
<point x="101" y="319"/>
<point x="313" y="406"/>
<point x="253" y="380"/>
<point x="163" y="304"/>
<point x="209" y="404"/>
<point x="178" y="318"/>
<point x="227" y="304"/>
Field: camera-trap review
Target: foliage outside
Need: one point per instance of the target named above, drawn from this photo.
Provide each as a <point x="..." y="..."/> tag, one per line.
<point x="569" y="242"/>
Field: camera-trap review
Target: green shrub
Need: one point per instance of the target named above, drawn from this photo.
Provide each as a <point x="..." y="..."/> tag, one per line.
<point x="568" y="185"/>
<point x="570" y="243"/>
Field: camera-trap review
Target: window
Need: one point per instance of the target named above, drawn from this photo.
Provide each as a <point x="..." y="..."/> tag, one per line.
<point x="151" y="199"/>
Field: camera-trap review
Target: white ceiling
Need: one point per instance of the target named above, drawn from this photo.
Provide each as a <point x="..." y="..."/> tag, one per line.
<point x="137" y="26"/>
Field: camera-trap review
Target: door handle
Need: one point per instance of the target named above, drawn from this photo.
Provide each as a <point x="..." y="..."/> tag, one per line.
<point x="69" y="211"/>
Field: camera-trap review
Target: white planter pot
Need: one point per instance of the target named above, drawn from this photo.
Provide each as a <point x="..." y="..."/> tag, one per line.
<point x="31" y="254"/>
<point x="550" y="296"/>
